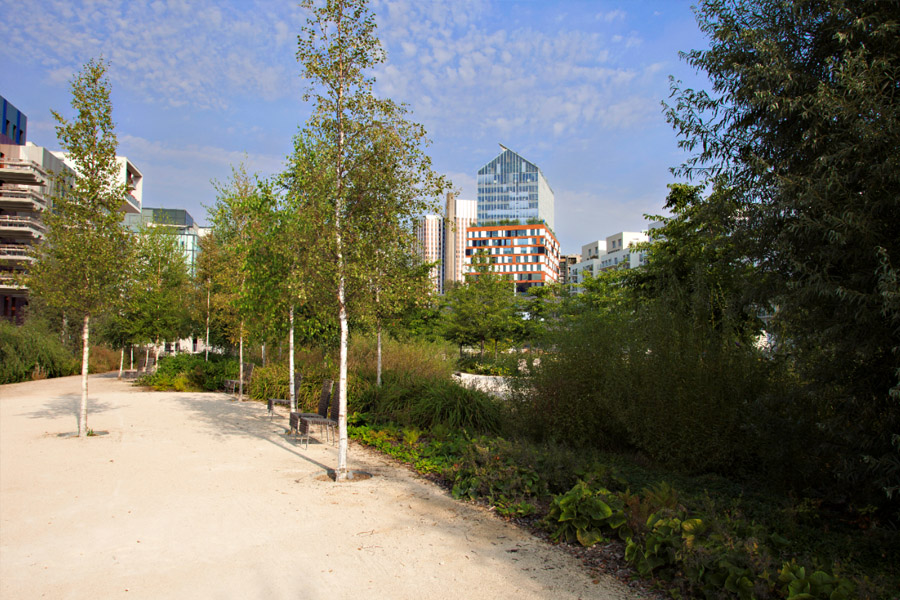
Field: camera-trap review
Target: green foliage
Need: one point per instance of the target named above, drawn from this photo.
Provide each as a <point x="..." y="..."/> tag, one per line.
<point x="32" y="351"/>
<point x="581" y="515"/>
<point x="190" y="372"/>
<point x="417" y="401"/>
<point x="482" y="309"/>
<point x="801" y="126"/>
<point x="800" y="584"/>
<point x="158" y="296"/>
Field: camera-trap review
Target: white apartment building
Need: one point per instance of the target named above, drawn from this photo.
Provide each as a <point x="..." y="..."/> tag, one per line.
<point x="615" y="252"/>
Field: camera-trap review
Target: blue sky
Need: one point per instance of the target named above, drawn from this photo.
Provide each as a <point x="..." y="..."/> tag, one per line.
<point x="201" y="85"/>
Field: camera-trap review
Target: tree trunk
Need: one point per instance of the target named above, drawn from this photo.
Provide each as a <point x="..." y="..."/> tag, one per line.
<point x="241" y="364"/>
<point x="147" y="358"/>
<point x="156" y="355"/>
<point x="378" y="360"/>
<point x="131" y="355"/>
<point x="85" y="358"/>
<point x="206" y="356"/>
<point x="65" y="330"/>
<point x="121" y="361"/>
<point x="293" y="391"/>
<point x="341" y="473"/>
<point x="481" y="356"/>
<point x="263" y="355"/>
<point x="495" y="350"/>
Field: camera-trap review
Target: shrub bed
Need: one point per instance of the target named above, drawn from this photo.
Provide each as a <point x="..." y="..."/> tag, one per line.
<point x="704" y="537"/>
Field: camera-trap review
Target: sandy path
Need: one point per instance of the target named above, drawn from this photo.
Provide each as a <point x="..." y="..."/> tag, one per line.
<point x="198" y="496"/>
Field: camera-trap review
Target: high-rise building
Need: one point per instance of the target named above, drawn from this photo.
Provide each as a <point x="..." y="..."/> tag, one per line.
<point x="511" y="188"/>
<point x="430" y="240"/>
<point x="460" y="215"/>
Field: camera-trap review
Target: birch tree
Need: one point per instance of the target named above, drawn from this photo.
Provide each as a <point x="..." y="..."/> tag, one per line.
<point x="352" y="130"/>
<point x="80" y="268"/>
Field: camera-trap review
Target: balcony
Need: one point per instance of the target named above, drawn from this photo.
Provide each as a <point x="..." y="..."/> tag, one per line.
<point x="22" y="172"/>
<point x="15" y="253"/>
<point x="22" y="198"/>
<point x="8" y="282"/>
<point x="21" y="227"/>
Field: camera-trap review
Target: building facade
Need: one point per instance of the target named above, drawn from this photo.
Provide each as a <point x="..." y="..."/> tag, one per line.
<point x="460" y="215"/>
<point x="187" y="232"/>
<point x="430" y="247"/>
<point x="13" y="124"/>
<point x="528" y="254"/>
<point x="511" y="188"/>
<point x="615" y="252"/>
<point x="28" y="184"/>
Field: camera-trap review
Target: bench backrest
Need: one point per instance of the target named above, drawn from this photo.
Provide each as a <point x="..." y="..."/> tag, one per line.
<point x="336" y="401"/>
<point x="323" y="399"/>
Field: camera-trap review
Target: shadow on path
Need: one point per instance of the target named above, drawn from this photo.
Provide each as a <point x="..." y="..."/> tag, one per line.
<point x="67" y="405"/>
<point x="240" y="419"/>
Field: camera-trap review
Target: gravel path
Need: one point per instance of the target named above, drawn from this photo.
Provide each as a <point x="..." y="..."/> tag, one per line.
<point x="194" y="495"/>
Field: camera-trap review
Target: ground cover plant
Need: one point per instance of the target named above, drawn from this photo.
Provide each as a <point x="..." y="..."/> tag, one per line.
<point x="695" y="537"/>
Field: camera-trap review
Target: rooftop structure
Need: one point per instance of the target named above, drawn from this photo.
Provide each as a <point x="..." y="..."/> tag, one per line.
<point x="511" y="188"/>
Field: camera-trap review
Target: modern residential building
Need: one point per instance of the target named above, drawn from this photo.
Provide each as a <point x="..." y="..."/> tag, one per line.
<point x="528" y="254"/>
<point x="460" y="215"/>
<point x="566" y="262"/>
<point x="430" y="241"/>
<point x="27" y="188"/>
<point x="511" y="188"/>
<point x="13" y="124"/>
<point x="180" y="221"/>
<point x="615" y="252"/>
<point x="129" y="175"/>
<point x="30" y="177"/>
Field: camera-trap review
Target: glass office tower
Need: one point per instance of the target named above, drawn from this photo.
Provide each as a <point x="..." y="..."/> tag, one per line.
<point x="512" y="188"/>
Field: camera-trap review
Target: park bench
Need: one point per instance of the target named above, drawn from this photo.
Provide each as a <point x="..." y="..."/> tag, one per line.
<point x="234" y="384"/>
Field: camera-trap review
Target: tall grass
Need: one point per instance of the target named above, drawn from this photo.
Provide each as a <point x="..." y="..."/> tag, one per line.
<point x="686" y="394"/>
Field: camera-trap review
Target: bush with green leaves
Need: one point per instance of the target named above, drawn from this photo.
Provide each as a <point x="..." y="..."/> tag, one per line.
<point x="190" y="373"/>
<point x="32" y="351"/>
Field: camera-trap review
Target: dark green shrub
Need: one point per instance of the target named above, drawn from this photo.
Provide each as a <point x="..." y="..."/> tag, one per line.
<point x="32" y="351"/>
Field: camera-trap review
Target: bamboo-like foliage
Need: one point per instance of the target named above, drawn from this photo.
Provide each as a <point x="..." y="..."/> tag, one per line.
<point x="81" y="266"/>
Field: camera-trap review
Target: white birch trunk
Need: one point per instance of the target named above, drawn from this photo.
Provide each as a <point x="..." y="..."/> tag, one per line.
<point x="293" y="392"/>
<point x="85" y="358"/>
<point x="263" y="355"/>
<point x="121" y="361"/>
<point x="206" y="356"/>
<point x="147" y="359"/>
<point x="341" y="473"/>
<point x="131" y="354"/>
<point x="156" y="355"/>
<point x="241" y="365"/>
<point x="378" y="359"/>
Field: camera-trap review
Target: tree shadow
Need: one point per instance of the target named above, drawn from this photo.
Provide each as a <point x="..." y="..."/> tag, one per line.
<point x="226" y="417"/>
<point x="67" y="405"/>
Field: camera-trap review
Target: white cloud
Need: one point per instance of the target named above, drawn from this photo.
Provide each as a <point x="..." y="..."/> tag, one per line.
<point x="613" y="15"/>
<point x="175" y="52"/>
